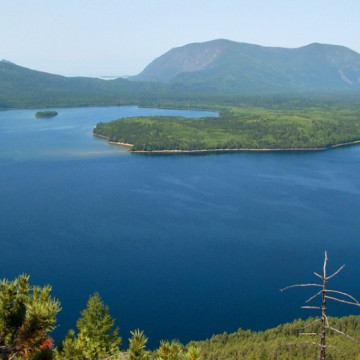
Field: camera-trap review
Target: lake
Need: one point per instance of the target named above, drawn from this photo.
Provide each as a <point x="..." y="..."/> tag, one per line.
<point x="180" y="246"/>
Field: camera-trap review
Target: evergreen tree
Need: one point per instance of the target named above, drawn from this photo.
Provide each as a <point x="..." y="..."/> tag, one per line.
<point x="27" y="314"/>
<point x="137" y="345"/>
<point x="169" y="351"/>
<point x="193" y="353"/>
<point x="97" y="337"/>
<point x="97" y="324"/>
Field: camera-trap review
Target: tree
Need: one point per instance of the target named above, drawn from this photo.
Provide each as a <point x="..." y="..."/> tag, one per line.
<point x="325" y="294"/>
<point x="137" y="345"/>
<point x="27" y="315"/>
<point x="193" y="353"/>
<point x="72" y="348"/>
<point x="97" y="337"/>
<point x="169" y="351"/>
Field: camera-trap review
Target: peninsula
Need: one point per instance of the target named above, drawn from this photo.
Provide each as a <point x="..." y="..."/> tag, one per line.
<point x="241" y="128"/>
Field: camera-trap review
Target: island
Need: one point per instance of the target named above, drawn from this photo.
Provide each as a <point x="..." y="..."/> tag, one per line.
<point x="240" y="128"/>
<point x="45" y="114"/>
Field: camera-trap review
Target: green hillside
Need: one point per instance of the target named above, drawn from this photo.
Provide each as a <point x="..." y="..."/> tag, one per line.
<point x="21" y="88"/>
<point x="216" y="68"/>
<point x="284" y="342"/>
<point x="223" y="66"/>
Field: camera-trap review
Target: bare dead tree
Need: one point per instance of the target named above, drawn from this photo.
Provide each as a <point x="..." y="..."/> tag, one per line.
<point x="325" y="294"/>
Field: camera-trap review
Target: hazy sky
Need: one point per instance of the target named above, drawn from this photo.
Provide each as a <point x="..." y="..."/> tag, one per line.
<point x="121" y="37"/>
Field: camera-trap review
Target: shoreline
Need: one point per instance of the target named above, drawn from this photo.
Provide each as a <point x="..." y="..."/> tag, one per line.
<point x="113" y="142"/>
<point x="129" y="146"/>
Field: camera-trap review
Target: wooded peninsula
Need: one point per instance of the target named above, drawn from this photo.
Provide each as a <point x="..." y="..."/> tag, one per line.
<point x="303" y="124"/>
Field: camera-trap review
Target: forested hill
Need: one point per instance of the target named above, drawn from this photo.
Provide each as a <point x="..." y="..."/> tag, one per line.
<point x="22" y="87"/>
<point x="284" y="342"/>
<point x="216" y="68"/>
<point x="223" y="66"/>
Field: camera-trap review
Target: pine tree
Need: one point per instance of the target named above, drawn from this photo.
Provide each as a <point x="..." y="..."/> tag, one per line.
<point x="97" y="324"/>
<point x="193" y="353"/>
<point x="169" y="351"/>
<point x="137" y="345"/>
<point x="97" y="337"/>
<point x="27" y="315"/>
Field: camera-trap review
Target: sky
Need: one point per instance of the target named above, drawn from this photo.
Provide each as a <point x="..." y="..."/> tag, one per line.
<point x="121" y="37"/>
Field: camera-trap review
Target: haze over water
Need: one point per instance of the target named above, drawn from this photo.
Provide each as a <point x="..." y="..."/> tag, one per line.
<point x="180" y="246"/>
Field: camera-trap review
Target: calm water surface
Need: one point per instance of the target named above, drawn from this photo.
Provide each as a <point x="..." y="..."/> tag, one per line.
<point x="180" y="246"/>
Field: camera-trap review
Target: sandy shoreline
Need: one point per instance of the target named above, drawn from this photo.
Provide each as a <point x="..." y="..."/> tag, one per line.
<point x="223" y="150"/>
<point x="121" y="144"/>
<point x="114" y="142"/>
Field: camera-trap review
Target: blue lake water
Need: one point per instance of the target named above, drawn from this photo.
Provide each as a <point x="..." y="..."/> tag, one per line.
<point x="180" y="246"/>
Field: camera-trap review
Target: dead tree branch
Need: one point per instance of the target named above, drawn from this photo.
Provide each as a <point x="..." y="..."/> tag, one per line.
<point x="324" y="295"/>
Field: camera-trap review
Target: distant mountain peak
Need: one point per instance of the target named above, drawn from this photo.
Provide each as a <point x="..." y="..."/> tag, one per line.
<point x="188" y="58"/>
<point x="227" y="66"/>
<point x="7" y="62"/>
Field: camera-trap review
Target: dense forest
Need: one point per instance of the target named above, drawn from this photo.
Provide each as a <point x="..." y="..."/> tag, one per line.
<point x="28" y="315"/>
<point x="284" y="342"/>
<point x="253" y="124"/>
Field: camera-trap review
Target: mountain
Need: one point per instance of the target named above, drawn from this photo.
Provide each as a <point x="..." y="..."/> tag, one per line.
<point x="22" y="87"/>
<point x="218" y="67"/>
<point x="231" y="67"/>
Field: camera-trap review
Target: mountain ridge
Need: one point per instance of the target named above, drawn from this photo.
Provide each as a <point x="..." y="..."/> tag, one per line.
<point x="22" y="87"/>
<point x="230" y="67"/>
<point x="214" y="68"/>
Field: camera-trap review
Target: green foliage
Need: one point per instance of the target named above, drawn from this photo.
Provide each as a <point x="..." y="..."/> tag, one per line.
<point x="24" y="88"/>
<point x="97" y="324"/>
<point x="284" y="342"/>
<point x="231" y="82"/>
<point x="27" y="315"/>
<point x="223" y="66"/>
<point x="97" y="337"/>
<point x="169" y="351"/>
<point x="289" y="126"/>
<point x="193" y="353"/>
<point x="73" y="348"/>
<point x="137" y="345"/>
